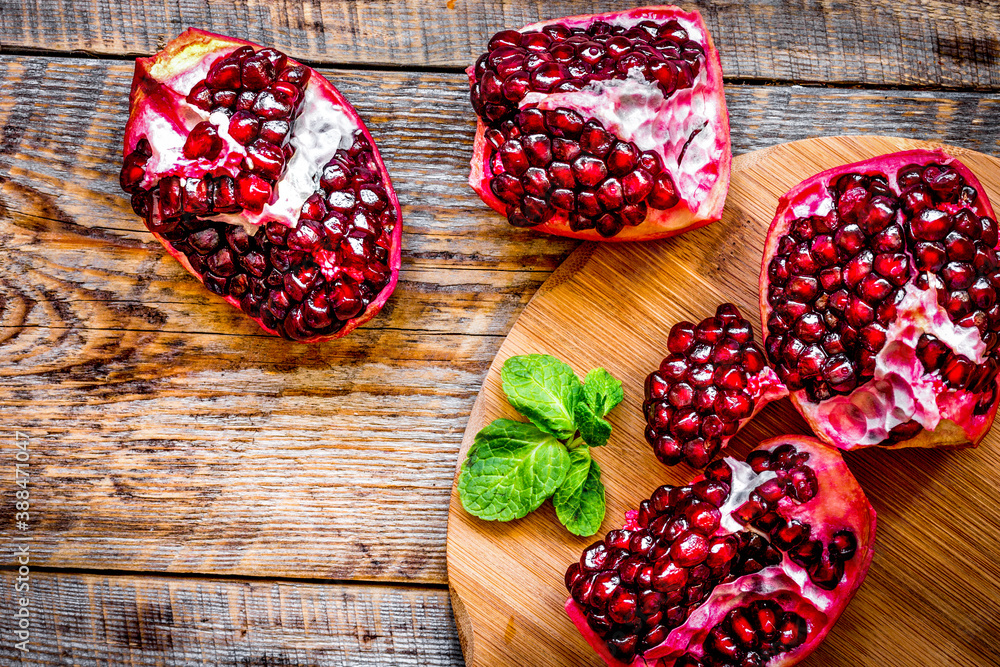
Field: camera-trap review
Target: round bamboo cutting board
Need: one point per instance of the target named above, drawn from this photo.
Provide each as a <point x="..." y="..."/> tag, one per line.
<point x="932" y="596"/>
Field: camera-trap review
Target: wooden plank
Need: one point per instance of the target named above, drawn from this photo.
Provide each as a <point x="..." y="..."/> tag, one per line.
<point x="168" y="435"/>
<point x="875" y="42"/>
<point x="932" y="596"/>
<point x="115" y="621"/>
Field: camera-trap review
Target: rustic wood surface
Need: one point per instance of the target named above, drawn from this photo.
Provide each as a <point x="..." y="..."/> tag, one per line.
<point x="613" y="298"/>
<point x="950" y="43"/>
<point x="152" y="621"/>
<point x="169" y="436"/>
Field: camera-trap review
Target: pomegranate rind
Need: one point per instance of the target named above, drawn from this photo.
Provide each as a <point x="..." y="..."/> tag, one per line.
<point x="839" y="503"/>
<point x="955" y="424"/>
<point x="185" y="60"/>
<point x="705" y="191"/>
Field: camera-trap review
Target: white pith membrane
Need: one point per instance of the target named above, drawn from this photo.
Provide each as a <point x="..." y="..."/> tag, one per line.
<point x="651" y="121"/>
<point x="745" y="480"/>
<point x="901" y="389"/>
<point x="318" y="132"/>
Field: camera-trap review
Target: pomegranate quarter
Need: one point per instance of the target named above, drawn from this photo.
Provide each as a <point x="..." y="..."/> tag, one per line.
<point x="714" y="380"/>
<point x="749" y="565"/>
<point x="257" y="175"/>
<point x="878" y="296"/>
<point x="609" y="126"/>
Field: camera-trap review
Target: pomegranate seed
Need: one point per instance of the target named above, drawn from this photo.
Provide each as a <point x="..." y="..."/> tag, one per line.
<point x="203" y="142"/>
<point x="930" y="225"/>
<point x="595" y="140"/>
<point x="664" y="195"/>
<point x="171" y="197"/>
<point x="589" y="171"/>
<point x="253" y="192"/>
<point x="609" y="194"/>
<point x="843" y="546"/>
<point x="266" y="160"/>
<point x="668" y="576"/>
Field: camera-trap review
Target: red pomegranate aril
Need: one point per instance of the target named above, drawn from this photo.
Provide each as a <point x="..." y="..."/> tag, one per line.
<point x="595" y="140"/>
<point x="267" y="159"/>
<point x="272" y="106"/>
<point x="589" y="171"/>
<point x="622" y="159"/>
<point x="609" y="194"/>
<point x="253" y="192"/>
<point x="203" y="142"/>
<point x="513" y="156"/>
<point x="197" y="199"/>
<point x="895" y="267"/>
<point x="681" y="337"/>
<point x="930" y="225"/>
<point x="538" y="149"/>
<point x="668" y="576"/>
<point x="958" y="275"/>
<point x="664" y="194"/>
<point x="704" y="520"/>
<point x="960" y="248"/>
<point x="689" y="549"/>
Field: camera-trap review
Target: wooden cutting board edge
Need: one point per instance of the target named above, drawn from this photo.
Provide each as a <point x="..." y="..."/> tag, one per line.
<point x="576" y="261"/>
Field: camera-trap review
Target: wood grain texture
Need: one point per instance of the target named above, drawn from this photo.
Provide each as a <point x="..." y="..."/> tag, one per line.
<point x="125" y="621"/>
<point x="932" y="596"/>
<point x="169" y="435"/>
<point x="878" y="42"/>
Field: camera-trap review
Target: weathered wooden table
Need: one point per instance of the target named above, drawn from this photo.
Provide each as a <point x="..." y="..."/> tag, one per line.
<point x="206" y="495"/>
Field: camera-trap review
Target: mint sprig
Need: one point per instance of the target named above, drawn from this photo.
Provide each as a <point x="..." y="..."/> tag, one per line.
<point x="513" y="467"/>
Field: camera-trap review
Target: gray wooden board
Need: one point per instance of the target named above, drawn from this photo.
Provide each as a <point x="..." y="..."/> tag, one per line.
<point x="873" y="42"/>
<point x="86" y="620"/>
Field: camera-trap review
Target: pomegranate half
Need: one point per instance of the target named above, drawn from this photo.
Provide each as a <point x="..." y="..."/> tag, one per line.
<point x="878" y="296"/>
<point x="751" y="564"/>
<point x="257" y="175"/>
<point x="603" y="127"/>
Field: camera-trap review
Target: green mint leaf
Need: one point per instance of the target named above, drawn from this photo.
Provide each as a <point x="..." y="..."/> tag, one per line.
<point x="579" y="502"/>
<point x="594" y="430"/>
<point x="543" y="389"/>
<point x="602" y="391"/>
<point x="511" y="468"/>
<point x="579" y="467"/>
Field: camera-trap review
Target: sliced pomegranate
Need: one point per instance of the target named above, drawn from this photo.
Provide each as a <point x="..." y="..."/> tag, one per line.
<point x="609" y="126"/>
<point x="715" y="379"/>
<point x="750" y="565"/>
<point x="879" y="302"/>
<point x="260" y="178"/>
